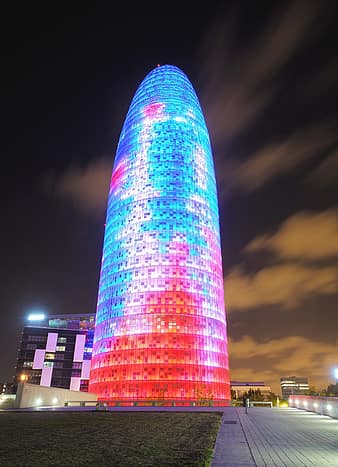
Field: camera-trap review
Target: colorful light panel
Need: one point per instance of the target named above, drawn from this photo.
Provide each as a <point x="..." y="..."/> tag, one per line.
<point x="160" y="329"/>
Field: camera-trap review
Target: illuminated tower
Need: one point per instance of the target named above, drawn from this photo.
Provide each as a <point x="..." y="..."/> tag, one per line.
<point x="160" y="328"/>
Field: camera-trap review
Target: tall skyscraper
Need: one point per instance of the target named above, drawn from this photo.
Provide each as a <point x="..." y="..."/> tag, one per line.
<point x="160" y="331"/>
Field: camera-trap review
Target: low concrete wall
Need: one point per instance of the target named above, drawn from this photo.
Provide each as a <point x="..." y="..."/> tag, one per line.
<point x="33" y="395"/>
<point x="322" y="405"/>
<point x="7" y="401"/>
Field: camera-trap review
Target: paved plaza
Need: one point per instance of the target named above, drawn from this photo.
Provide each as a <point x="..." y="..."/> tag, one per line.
<point x="275" y="437"/>
<point x="263" y="436"/>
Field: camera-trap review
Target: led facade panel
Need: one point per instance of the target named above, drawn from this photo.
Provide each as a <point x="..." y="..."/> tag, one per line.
<point x="160" y="331"/>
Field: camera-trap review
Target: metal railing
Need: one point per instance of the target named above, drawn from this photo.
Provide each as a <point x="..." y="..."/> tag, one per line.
<point x="146" y="403"/>
<point x="255" y="403"/>
<point x="317" y="404"/>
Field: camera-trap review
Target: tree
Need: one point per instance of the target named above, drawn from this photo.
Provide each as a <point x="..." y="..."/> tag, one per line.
<point x="253" y="394"/>
<point x="332" y="390"/>
<point x="312" y="391"/>
<point x="274" y="398"/>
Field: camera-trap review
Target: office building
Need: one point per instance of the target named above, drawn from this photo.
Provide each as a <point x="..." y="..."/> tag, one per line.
<point x="239" y="388"/>
<point x="56" y="351"/>
<point x="292" y="385"/>
<point x="160" y="331"/>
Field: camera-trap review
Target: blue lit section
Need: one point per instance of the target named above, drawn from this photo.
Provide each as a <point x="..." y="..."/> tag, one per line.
<point x="160" y="325"/>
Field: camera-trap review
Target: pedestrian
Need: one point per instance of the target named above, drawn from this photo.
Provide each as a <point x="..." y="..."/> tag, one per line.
<point x="246" y="403"/>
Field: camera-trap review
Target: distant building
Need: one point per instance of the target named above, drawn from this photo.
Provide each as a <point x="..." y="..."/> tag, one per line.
<point x="56" y="351"/>
<point x="239" y="388"/>
<point x="292" y="385"/>
<point x="8" y="388"/>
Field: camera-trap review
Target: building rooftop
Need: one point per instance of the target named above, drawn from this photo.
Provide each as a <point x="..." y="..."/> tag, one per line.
<point x="247" y="383"/>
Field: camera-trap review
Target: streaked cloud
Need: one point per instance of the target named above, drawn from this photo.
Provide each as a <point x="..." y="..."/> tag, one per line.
<point x="305" y="236"/>
<point x="303" y="250"/>
<point x="279" y="158"/>
<point x="326" y="174"/>
<point x="252" y="360"/>
<point x="237" y="84"/>
<point x="286" y="285"/>
<point x="323" y="80"/>
<point x="87" y="186"/>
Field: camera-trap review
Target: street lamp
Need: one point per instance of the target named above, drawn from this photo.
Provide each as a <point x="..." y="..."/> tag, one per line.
<point x="335" y="371"/>
<point x="36" y="316"/>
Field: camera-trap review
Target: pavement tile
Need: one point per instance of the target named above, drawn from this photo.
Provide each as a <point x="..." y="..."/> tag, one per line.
<point x="275" y="437"/>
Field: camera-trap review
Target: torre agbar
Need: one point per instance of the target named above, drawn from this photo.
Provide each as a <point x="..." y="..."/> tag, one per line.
<point x="160" y="331"/>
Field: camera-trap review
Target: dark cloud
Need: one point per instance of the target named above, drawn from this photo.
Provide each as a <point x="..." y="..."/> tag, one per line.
<point x="304" y="236"/>
<point x="242" y="84"/>
<point x="299" y="246"/>
<point x="87" y="186"/>
<point x="237" y="84"/>
<point x="279" y="158"/>
<point x="252" y="360"/>
<point x="287" y="285"/>
<point x="326" y="173"/>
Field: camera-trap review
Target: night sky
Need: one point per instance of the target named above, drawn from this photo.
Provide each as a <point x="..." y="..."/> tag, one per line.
<point x="266" y="75"/>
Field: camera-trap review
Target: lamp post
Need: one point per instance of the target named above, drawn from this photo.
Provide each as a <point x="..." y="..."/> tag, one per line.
<point x="335" y="372"/>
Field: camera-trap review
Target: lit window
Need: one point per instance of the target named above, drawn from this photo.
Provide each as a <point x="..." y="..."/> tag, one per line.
<point x="49" y="356"/>
<point x="48" y="364"/>
<point x="60" y="348"/>
<point x="31" y="346"/>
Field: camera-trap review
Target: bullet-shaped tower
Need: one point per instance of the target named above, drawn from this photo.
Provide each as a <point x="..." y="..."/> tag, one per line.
<point x="160" y="330"/>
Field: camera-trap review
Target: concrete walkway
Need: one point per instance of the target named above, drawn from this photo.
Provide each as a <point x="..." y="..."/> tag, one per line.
<point x="275" y="437"/>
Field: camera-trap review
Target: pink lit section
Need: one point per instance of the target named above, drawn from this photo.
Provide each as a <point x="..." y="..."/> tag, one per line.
<point x="74" y="384"/>
<point x="51" y="341"/>
<point x="85" y="369"/>
<point x="153" y="110"/>
<point x="46" y="376"/>
<point x="79" y="347"/>
<point x="116" y="177"/>
<point x="39" y="358"/>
